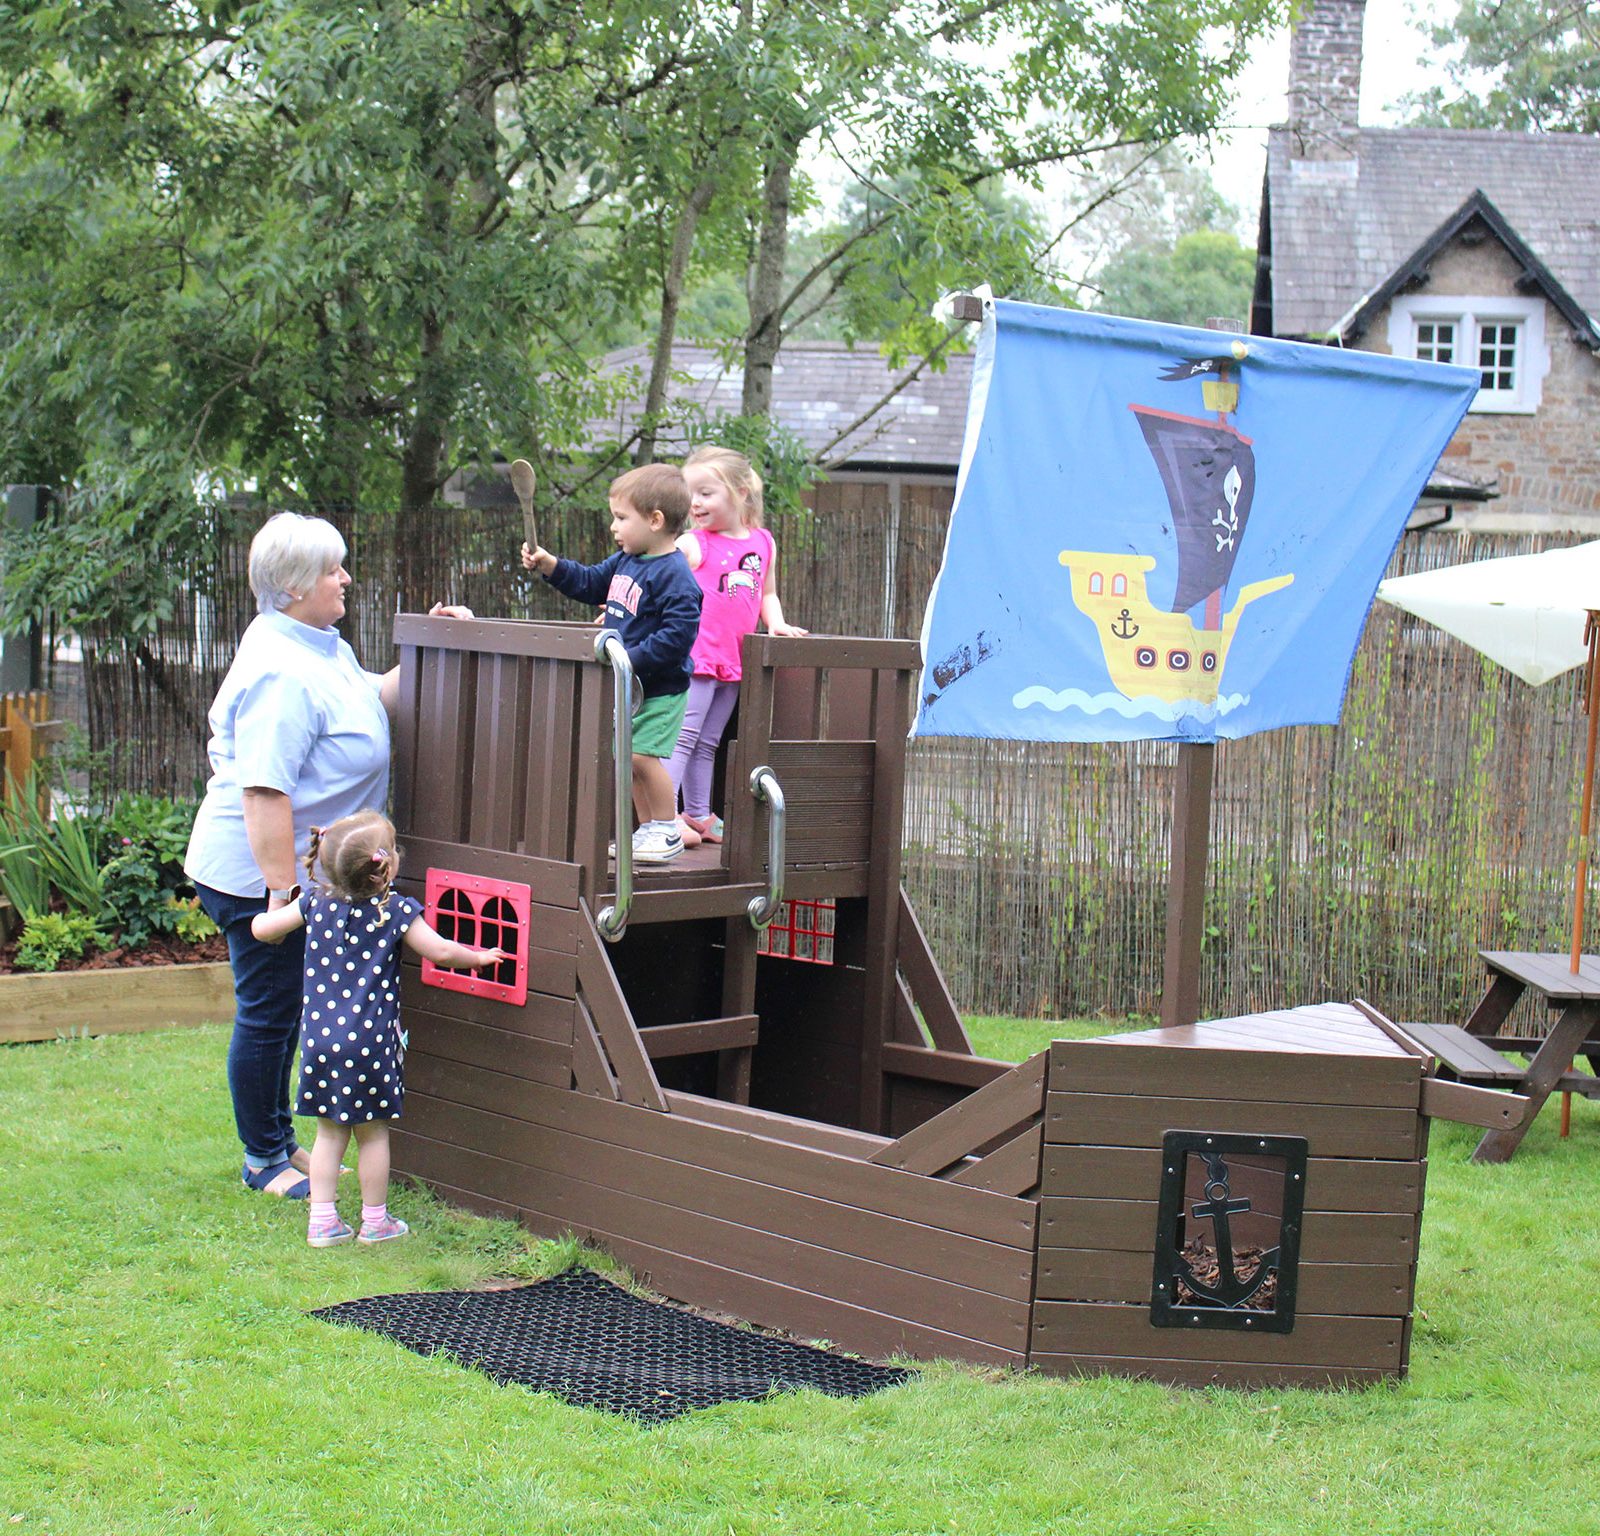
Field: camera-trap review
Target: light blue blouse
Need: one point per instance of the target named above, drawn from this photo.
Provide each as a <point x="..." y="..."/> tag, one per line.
<point x="297" y="713"/>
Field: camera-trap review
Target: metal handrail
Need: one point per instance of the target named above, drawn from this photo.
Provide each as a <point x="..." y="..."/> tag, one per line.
<point x="609" y="648"/>
<point x="765" y="787"/>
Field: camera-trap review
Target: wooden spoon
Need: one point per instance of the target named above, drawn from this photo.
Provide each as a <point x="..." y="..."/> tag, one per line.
<point x="523" y="482"/>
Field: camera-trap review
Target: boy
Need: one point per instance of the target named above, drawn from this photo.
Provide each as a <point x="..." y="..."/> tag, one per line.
<point x="653" y="602"/>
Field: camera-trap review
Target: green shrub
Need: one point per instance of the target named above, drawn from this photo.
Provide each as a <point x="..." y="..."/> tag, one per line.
<point x="50" y="937"/>
<point x="161" y="827"/>
<point x="190" y="921"/>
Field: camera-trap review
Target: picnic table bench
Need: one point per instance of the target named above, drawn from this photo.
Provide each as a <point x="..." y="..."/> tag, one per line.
<point x="1476" y="1053"/>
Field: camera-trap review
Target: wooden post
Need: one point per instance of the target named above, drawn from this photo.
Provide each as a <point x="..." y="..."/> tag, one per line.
<point x="1186" y="883"/>
<point x="1186" y="879"/>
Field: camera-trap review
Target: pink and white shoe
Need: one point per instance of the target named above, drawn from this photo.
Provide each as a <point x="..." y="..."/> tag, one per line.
<point x="329" y="1234"/>
<point x="709" y="826"/>
<point x="384" y="1231"/>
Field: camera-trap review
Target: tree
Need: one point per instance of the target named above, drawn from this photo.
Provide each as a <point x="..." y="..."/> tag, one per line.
<point x="1532" y="65"/>
<point x="336" y="249"/>
<point x="1205" y="273"/>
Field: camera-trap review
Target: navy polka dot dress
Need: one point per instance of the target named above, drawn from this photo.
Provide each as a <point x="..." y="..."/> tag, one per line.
<point x="350" y="1040"/>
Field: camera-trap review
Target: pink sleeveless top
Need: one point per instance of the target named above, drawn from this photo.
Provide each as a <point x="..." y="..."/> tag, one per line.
<point x="732" y="574"/>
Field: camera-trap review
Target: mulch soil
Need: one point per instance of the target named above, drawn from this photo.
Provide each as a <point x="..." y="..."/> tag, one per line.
<point x="161" y="950"/>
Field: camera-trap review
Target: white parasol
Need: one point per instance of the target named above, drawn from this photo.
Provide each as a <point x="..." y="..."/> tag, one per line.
<point x="1536" y="616"/>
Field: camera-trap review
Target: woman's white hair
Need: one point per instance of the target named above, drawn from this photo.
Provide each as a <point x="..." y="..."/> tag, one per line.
<point x="289" y="555"/>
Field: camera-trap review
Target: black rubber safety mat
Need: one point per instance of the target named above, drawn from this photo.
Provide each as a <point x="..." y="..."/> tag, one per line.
<point x="595" y="1345"/>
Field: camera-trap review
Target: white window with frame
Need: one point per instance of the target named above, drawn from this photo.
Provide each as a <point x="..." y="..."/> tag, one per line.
<point x="1502" y="338"/>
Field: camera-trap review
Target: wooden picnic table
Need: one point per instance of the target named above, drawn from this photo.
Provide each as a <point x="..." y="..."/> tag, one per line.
<point x="1474" y="1054"/>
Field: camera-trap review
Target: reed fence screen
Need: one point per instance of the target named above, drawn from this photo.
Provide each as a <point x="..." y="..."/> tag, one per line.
<point x="1369" y="859"/>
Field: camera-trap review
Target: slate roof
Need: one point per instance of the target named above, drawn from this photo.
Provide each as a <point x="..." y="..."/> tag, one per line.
<point x="1339" y="229"/>
<point x="818" y="389"/>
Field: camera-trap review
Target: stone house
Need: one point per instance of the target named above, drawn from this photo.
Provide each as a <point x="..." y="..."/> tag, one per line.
<point x="1470" y="247"/>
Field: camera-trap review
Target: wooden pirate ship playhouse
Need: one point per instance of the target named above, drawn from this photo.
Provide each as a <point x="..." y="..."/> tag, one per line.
<point x="787" y="1121"/>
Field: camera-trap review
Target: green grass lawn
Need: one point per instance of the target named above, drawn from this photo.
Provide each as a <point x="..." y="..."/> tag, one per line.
<point x="160" y="1375"/>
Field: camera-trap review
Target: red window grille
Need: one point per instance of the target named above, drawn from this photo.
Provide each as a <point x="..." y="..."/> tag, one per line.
<point x="486" y="914"/>
<point x="802" y="930"/>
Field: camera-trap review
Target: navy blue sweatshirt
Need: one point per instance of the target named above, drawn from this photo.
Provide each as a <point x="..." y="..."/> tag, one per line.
<point x="653" y="602"/>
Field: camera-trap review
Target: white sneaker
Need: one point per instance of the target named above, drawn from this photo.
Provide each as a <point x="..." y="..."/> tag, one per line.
<point x="656" y="845"/>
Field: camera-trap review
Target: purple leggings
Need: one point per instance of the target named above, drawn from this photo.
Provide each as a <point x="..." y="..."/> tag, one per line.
<point x="705" y="718"/>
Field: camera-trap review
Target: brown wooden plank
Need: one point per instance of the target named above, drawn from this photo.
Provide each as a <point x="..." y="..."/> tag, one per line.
<point x="1326" y="1237"/>
<point x="590" y="1070"/>
<point x="842" y="1176"/>
<point x="836" y="771"/>
<point x="1331" y="1130"/>
<point x="1472" y="1106"/>
<point x="1098" y="1066"/>
<point x="665" y="1040"/>
<point x="961" y="1068"/>
<point x="498" y="1050"/>
<point x="1067" y="1327"/>
<point x="553" y="884"/>
<point x="983" y="1115"/>
<point x="613" y="1021"/>
<point x="593" y="798"/>
<point x="746" y="851"/>
<point x="1009" y="1170"/>
<point x="551" y="774"/>
<point x="1465" y="1055"/>
<point x="1332" y="1183"/>
<point x="928" y="989"/>
<point x="797" y="702"/>
<point x="1124" y="1275"/>
<point x="685" y="905"/>
<point x="907" y="1027"/>
<point x="766" y="1122"/>
<point x="1495" y="1005"/>
<point x="831" y="651"/>
<point x="933" y="1257"/>
<point x="596" y="1211"/>
<point x="498" y="748"/>
<point x="1551" y="974"/>
<point x="446" y="705"/>
<point x="503" y="637"/>
<point x="1208" y="1373"/>
<point x="542" y="1015"/>
<point x="407" y="719"/>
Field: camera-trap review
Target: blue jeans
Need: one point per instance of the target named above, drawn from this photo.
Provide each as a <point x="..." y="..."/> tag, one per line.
<point x="267" y="987"/>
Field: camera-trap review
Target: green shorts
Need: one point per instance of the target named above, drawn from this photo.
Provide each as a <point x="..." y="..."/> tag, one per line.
<point x="656" y="726"/>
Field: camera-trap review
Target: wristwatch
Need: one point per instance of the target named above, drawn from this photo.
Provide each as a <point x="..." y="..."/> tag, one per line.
<point x="288" y="893"/>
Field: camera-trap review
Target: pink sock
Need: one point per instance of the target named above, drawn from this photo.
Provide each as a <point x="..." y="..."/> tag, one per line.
<point x="371" y="1215"/>
<point x="323" y="1212"/>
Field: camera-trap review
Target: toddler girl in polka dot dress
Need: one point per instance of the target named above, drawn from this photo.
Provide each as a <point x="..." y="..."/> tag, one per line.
<point x="350" y="1040"/>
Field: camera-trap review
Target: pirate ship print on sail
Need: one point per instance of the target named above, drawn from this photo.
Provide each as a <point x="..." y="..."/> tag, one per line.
<point x="1171" y="661"/>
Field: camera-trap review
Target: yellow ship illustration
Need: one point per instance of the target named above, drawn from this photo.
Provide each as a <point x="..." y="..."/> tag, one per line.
<point x="1208" y="470"/>
<point x="1150" y="653"/>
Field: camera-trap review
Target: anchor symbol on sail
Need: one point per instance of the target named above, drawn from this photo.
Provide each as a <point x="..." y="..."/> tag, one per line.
<point x="1229" y="1290"/>
<point x="1123" y="626"/>
<point x="1228" y="525"/>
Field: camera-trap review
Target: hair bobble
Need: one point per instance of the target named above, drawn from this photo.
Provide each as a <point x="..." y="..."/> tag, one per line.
<point x="379" y="855"/>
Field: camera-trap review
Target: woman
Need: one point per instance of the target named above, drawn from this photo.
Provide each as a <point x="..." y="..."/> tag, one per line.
<point x="299" y="738"/>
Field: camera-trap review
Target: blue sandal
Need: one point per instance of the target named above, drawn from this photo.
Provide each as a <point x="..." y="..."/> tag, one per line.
<point x="270" y="1180"/>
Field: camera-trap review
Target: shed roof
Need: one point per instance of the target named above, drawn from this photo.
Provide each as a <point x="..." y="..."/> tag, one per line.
<point x="1339" y="229"/>
<point x="818" y="389"/>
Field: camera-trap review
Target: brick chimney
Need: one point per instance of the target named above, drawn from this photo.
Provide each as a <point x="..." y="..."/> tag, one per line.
<point x="1325" y="80"/>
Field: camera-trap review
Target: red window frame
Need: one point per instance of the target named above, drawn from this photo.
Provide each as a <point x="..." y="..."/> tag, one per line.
<point x="802" y="930"/>
<point x="457" y="905"/>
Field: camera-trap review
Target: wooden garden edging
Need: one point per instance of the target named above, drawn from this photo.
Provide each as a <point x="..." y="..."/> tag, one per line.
<point x="114" y="1002"/>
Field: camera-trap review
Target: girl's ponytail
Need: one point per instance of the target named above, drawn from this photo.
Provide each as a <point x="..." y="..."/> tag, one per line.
<point x="313" y="850"/>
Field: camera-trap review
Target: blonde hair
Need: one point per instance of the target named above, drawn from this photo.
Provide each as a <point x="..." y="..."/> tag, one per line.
<point x="357" y="857"/>
<point x="736" y="472"/>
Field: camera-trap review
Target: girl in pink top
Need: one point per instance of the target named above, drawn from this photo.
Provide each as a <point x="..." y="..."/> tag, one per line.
<point x="734" y="559"/>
